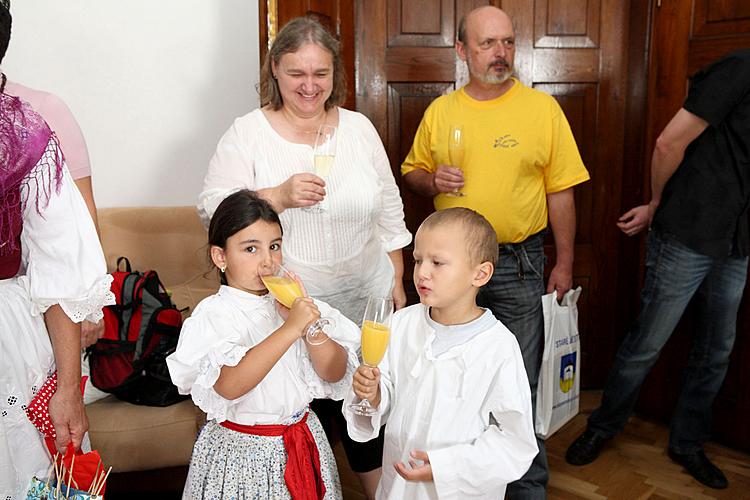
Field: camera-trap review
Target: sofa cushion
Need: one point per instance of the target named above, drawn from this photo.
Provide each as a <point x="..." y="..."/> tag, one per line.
<point x="170" y="240"/>
<point x="130" y="437"/>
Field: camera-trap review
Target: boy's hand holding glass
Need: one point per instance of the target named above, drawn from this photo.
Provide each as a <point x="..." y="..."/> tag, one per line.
<point x="366" y="384"/>
<point x="287" y="288"/>
<point x="376" y="328"/>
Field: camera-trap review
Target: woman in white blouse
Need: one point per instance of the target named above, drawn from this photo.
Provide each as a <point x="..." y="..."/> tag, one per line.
<point x="352" y="248"/>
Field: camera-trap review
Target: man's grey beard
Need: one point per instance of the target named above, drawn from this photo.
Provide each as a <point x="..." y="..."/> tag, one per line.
<point x="490" y="77"/>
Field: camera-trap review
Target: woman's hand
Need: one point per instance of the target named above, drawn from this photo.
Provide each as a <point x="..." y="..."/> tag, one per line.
<point x="300" y="190"/>
<point x="91" y="332"/>
<point x="68" y="415"/>
<point x="399" y="295"/>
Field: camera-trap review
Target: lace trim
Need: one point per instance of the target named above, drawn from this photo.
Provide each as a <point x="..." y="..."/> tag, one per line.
<point x="331" y="390"/>
<point x="88" y="307"/>
<point x="202" y="391"/>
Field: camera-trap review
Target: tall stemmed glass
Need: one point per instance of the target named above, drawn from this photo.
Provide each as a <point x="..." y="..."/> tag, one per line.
<point x="286" y="289"/>
<point x="324" y="153"/>
<point x="376" y="329"/>
<point x="456" y="152"/>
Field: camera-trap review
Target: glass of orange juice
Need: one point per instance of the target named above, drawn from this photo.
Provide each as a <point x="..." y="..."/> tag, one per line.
<point x="286" y="289"/>
<point x="376" y="330"/>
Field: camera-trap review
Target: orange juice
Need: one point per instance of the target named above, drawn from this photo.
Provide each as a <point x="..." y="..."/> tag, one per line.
<point x="374" y="341"/>
<point x="285" y="289"/>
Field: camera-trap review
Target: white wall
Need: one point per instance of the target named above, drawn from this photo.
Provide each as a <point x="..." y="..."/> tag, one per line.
<point x="153" y="83"/>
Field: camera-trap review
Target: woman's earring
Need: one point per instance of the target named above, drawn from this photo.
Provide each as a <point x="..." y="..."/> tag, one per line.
<point x="223" y="268"/>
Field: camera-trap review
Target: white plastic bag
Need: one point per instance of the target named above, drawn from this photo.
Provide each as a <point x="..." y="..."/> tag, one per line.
<point x="558" y="392"/>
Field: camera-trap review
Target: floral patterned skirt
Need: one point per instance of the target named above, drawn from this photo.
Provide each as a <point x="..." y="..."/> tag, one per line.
<point x="227" y="464"/>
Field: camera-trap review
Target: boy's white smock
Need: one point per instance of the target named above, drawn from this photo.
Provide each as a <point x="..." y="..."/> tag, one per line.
<point x="469" y="409"/>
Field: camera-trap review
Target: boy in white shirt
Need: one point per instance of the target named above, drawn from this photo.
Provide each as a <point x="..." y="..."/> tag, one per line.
<point x="452" y="386"/>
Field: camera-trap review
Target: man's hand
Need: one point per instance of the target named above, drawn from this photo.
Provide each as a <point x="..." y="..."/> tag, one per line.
<point x="448" y="179"/>
<point x="91" y="332"/>
<point x="561" y="280"/>
<point x="366" y="384"/>
<point x="418" y="472"/>
<point x="69" y="417"/>
<point x="637" y="219"/>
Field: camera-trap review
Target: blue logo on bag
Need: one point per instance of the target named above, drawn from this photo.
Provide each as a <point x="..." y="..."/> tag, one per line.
<point x="567" y="371"/>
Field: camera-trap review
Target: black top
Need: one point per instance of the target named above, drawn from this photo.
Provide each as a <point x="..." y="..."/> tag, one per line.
<point x="705" y="202"/>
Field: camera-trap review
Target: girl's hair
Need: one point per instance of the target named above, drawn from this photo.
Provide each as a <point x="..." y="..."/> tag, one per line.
<point x="296" y="33"/>
<point x="235" y="213"/>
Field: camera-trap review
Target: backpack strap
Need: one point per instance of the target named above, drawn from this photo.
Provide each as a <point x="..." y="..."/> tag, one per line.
<point x="129" y="301"/>
<point x="153" y="299"/>
<point x="128" y="269"/>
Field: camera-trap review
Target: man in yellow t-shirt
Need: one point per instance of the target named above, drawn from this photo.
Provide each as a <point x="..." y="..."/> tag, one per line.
<point x="517" y="167"/>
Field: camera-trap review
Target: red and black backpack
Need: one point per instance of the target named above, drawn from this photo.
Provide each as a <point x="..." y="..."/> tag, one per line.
<point x="140" y="331"/>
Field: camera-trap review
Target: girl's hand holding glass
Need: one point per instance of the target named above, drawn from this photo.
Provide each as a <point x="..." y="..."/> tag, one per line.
<point x="301" y="316"/>
<point x="287" y="288"/>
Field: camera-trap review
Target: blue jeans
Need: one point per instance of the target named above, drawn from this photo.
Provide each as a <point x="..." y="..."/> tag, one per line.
<point x="674" y="274"/>
<point x="514" y="295"/>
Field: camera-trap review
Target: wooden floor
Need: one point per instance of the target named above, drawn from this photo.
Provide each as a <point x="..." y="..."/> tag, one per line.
<point x="632" y="466"/>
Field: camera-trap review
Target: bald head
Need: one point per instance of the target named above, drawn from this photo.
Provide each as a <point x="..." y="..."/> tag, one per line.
<point x="486" y="13"/>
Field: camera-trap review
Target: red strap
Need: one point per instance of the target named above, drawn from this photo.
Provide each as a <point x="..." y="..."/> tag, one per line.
<point x="302" y="474"/>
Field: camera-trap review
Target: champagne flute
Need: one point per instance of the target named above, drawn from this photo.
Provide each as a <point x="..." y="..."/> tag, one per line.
<point x="324" y="152"/>
<point x="376" y="329"/>
<point x="456" y="152"/>
<point x="286" y="289"/>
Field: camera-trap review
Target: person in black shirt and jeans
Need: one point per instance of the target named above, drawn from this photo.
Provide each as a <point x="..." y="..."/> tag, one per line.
<point x="697" y="248"/>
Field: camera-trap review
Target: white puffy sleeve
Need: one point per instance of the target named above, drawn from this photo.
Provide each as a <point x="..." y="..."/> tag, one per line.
<point x="391" y="226"/>
<point x="231" y="168"/>
<point x="210" y="339"/>
<point x="347" y="335"/>
<point x="63" y="260"/>
<point x="504" y="451"/>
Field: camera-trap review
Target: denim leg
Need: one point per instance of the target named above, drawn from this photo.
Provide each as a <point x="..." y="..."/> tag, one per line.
<point x="673" y="274"/>
<point x="514" y="297"/>
<point x="718" y="302"/>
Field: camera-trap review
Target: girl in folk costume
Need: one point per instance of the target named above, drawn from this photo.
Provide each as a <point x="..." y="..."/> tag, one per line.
<point x="52" y="277"/>
<point x="247" y="363"/>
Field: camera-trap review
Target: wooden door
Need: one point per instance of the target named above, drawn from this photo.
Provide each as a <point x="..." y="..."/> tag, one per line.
<point x="574" y="50"/>
<point x="686" y="36"/>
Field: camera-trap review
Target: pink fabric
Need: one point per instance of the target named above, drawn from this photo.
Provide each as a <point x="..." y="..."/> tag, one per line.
<point x="27" y="146"/>
<point x="61" y="121"/>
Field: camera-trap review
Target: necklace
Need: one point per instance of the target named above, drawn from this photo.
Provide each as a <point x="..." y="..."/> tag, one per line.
<point x="303" y="131"/>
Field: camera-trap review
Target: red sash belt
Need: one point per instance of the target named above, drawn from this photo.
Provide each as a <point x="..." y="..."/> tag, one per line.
<point x="302" y="473"/>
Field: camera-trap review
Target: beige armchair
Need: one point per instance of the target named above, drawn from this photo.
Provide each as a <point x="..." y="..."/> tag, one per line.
<point x="172" y="241"/>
